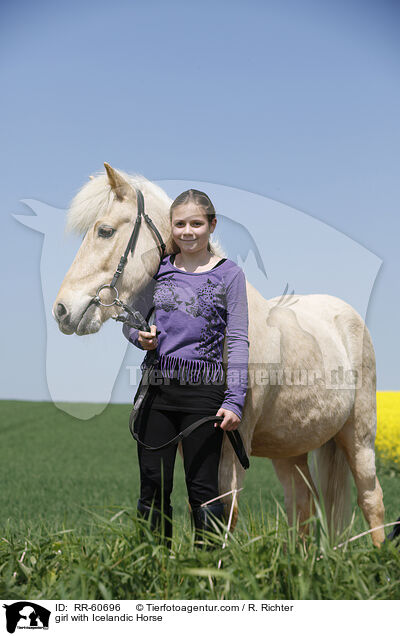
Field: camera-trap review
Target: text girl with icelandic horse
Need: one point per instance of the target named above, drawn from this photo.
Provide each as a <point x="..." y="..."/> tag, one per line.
<point x="198" y="300"/>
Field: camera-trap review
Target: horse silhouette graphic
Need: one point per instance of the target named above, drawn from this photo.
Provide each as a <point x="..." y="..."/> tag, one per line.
<point x="298" y="248"/>
<point x="25" y="614"/>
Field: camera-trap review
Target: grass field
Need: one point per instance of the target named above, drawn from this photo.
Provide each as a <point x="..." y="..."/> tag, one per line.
<point x="63" y="480"/>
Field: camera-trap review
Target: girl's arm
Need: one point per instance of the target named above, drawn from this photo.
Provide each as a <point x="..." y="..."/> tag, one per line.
<point x="237" y="325"/>
<point x="143" y="302"/>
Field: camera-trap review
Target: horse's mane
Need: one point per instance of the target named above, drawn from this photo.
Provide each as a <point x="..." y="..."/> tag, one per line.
<point x="94" y="199"/>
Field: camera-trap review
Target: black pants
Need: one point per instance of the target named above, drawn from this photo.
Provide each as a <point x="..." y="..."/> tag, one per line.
<point x="201" y="451"/>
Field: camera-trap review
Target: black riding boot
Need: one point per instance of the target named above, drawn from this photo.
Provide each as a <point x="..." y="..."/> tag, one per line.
<point x="207" y="518"/>
<point x="160" y="524"/>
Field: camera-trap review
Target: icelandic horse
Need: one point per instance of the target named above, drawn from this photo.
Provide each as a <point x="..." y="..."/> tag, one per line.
<point x="312" y="372"/>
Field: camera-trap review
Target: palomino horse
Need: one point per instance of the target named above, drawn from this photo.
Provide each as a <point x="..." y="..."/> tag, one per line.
<point x="312" y="380"/>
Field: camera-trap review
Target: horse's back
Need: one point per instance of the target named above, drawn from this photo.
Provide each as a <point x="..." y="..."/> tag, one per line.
<point x="322" y="306"/>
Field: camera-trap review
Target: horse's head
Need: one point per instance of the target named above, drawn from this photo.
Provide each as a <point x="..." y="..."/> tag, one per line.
<point x="105" y="210"/>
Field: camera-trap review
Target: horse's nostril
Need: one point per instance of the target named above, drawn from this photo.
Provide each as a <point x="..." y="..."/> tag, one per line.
<point x="61" y="310"/>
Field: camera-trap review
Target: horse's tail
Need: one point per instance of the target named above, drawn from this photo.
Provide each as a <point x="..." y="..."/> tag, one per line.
<point x="331" y="475"/>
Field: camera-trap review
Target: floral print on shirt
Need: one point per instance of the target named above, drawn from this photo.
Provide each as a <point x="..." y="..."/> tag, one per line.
<point x="208" y="300"/>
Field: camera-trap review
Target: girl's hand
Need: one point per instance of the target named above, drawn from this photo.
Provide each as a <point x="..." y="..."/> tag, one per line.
<point x="148" y="340"/>
<point x="230" y="422"/>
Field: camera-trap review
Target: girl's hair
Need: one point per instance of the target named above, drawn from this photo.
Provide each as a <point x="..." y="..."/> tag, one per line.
<point x="198" y="198"/>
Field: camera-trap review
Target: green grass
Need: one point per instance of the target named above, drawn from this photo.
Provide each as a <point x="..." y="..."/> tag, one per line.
<point x="64" y="479"/>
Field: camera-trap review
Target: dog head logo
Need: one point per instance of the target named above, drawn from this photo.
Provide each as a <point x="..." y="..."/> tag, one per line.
<point x="26" y="615"/>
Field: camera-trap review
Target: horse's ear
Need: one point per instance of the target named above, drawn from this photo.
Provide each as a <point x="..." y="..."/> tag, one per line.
<point x="121" y="187"/>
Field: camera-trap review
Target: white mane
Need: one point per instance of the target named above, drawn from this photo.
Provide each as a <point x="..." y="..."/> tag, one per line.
<point x="94" y="199"/>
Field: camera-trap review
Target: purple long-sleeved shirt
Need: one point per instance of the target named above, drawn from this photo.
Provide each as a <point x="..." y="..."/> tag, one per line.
<point x="193" y="313"/>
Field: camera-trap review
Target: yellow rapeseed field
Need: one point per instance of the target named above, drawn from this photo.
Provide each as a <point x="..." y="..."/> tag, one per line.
<point x="388" y="429"/>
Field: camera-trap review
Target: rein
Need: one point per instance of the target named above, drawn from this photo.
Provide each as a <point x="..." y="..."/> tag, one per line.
<point x="234" y="437"/>
<point x="136" y="319"/>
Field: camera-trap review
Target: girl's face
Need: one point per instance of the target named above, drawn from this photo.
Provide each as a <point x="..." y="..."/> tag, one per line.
<point x="190" y="228"/>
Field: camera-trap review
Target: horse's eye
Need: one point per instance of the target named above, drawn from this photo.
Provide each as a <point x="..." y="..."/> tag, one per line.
<point x="105" y="232"/>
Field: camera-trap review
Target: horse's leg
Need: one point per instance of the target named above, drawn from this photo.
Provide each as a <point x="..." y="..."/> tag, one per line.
<point x="357" y="437"/>
<point x="293" y="482"/>
<point x="359" y="448"/>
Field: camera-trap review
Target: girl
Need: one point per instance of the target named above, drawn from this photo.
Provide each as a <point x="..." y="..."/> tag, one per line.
<point x="198" y="298"/>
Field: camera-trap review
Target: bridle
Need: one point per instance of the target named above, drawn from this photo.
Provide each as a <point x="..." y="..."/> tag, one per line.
<point x="135" y="318"/>
<point x="130" y="248"/>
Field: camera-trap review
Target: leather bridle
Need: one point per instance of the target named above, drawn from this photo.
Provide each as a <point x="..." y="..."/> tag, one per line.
<point x="130" y="248"/>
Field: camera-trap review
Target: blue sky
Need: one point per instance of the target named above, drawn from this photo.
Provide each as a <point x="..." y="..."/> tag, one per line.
<point x="295" y="102"/>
